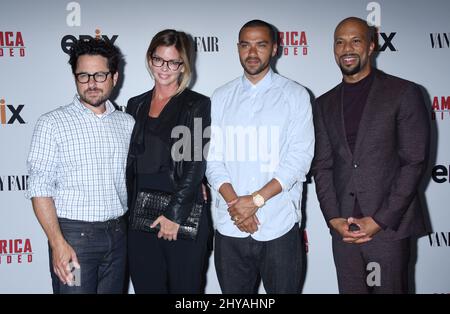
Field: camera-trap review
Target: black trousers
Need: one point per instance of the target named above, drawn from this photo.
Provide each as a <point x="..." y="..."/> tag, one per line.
<point x="377" y="266"/>
<point x="240" y="262"/>
<point x="162" y="266"/>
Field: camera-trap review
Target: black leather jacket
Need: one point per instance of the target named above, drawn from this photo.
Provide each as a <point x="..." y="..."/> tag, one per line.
<point x="187" y="174"/>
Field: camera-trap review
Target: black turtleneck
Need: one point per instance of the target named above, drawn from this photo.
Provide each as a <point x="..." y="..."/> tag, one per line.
<point x="354" y="100"/>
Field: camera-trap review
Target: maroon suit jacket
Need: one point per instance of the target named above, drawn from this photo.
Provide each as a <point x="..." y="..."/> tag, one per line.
<point x="388" y="162"/>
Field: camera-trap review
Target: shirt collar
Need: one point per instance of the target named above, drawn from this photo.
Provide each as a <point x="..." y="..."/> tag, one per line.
<point x="79" y="105"/>
<point x="261" y="85"/>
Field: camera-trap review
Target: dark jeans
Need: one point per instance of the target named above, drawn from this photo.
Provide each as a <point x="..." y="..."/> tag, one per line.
<point x="101" y="251"/>
<point x="241" y="261"/>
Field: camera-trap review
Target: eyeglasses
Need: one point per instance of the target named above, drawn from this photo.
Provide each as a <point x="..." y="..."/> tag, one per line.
<point x="99" y="77"/>
<point x="171" y="64"/>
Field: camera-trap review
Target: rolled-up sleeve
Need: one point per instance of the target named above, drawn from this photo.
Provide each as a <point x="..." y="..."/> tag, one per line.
<point x="42" y="160"/>
<point x="295" y="164"/>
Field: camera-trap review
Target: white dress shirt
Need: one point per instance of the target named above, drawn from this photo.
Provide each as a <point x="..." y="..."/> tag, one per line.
<point x="261" y="132"/>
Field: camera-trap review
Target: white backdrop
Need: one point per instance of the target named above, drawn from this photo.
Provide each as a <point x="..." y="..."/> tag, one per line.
<point x="35" y="78"/>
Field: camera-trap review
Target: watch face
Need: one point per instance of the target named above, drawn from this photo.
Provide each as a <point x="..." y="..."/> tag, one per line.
<point x="259" y="201"/>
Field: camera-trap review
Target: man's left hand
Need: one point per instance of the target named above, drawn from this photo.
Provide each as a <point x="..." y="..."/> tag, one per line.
<point x="366" y="225"/>
<point x="242" y="208"/>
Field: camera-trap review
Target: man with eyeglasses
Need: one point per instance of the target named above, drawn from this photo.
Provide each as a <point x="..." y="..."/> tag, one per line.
<point x="261" y="148"/>
<point x="77" y="185"/>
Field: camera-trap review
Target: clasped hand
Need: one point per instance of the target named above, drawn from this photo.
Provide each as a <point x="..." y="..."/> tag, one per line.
<point x="367" y="229"/>
<point x="243" y="212"/>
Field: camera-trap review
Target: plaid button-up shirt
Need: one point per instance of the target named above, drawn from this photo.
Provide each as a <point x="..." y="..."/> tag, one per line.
<point x="78" y="158"/>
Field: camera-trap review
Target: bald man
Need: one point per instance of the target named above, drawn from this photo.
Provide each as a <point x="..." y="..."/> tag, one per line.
<point x="372" y="136"/>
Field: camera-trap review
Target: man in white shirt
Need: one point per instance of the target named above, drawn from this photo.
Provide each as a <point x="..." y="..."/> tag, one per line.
<point x="261" y="149"/>
<point x="77" y="183"/>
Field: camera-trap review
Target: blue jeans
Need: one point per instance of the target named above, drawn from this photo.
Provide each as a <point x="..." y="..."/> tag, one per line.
<point x="101" y="251"/>
<point x="240" y="262"/>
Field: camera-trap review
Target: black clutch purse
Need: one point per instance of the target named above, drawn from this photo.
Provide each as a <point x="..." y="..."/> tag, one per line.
<point x="150" y="204"/>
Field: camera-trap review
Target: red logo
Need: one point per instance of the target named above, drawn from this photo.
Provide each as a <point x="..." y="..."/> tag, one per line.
<point x="11" y="44"/>
<point x="293" y="43"/>
<point x="440" y="108"/>
<point x="16" y="251"/>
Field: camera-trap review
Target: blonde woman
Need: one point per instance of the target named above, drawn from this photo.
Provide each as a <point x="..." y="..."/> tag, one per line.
<point x="163" y="261"/>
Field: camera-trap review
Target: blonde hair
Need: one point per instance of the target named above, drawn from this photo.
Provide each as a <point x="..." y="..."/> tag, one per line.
<point x="181" y="42"/>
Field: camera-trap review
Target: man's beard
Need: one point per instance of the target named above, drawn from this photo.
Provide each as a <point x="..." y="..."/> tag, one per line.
<point x="254" y="71"/>
<point x="352" y="71"/>
<point x="98" y="101"/>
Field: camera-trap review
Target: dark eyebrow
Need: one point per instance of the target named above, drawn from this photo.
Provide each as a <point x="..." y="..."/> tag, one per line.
<point x="174" y="60"/>
<point x="342" y="38"/>
<point x="258" y="42"/>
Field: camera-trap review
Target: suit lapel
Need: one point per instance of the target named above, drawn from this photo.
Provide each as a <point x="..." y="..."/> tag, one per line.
<point x="369" y="112"/>
<point x="337" y="114"/>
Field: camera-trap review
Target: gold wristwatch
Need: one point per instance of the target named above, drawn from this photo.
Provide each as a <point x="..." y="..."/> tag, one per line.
<point x="258" y="199"/>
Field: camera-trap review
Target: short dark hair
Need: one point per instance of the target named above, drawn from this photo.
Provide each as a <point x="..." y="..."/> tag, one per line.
<point x="95" y="47"/>
<point x="260" y="23"/>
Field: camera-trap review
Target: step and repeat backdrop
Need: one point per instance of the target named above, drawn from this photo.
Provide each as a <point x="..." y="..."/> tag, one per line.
<point x="414" y="43"/>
